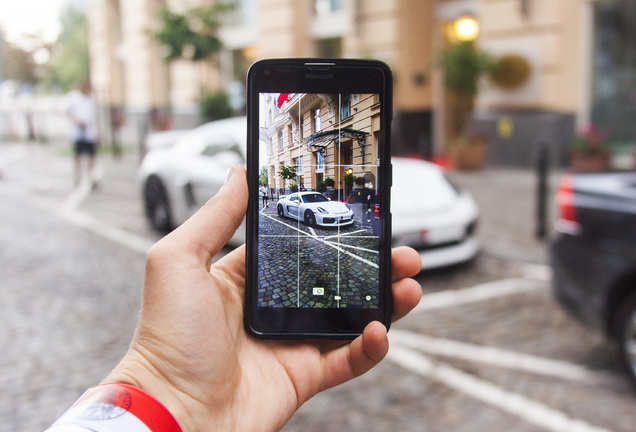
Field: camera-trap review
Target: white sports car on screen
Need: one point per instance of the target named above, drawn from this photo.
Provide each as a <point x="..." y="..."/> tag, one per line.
<point x="314" y="209"/>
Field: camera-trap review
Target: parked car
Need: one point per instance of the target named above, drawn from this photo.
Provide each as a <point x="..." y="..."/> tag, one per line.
<point x="592" y="254"/>
<point x="432" y="215"/>
<point x="183" y="169"/>
<point x="314" y="209"/>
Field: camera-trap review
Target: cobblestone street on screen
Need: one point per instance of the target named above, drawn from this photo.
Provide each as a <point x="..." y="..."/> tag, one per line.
<point x="302" y="266"/>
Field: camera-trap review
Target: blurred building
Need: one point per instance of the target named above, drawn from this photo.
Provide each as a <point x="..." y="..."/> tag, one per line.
<point x="577" y="55"/>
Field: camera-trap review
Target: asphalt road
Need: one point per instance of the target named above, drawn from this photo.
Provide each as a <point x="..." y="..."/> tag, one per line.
<point x="487" y="348"/>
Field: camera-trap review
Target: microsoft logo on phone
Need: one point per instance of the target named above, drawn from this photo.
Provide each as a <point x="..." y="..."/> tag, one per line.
<point x="313" y="75"/>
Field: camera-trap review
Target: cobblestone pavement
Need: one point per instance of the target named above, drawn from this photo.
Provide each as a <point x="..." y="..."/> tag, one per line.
<point x="302" y="266"/>
<point x="487" y="348"/>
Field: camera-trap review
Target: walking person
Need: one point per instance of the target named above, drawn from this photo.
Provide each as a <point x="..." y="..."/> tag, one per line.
<point x="264" y="195"/>
<point x="81" y="110"/>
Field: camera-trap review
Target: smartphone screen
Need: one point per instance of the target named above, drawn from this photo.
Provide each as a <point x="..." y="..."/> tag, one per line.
<point x="318" y="252"/>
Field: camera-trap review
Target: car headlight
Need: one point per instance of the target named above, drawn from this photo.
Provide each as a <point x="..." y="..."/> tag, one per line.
<point x="322" y="210"/>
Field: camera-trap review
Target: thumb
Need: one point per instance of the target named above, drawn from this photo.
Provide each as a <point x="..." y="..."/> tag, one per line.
<point x="210" y="228"/>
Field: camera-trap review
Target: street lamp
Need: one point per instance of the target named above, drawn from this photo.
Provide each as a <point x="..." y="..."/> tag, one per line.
<point x="466" y="28"/>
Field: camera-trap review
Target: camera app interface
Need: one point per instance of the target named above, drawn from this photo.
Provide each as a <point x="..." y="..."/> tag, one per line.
<point x="318" y="234"/>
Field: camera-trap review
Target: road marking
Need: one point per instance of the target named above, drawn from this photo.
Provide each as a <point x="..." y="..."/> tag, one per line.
<point x="518" y="405"/>
<point x="70" y="214"/>
<point x="79" y="194"/>
<point x="491" y="356"/>
<point x="345" y="234"/>
<point x="122" y="237"/>
<point x="355" y="247"/>
<point x="477" y="293"/>
<point x="334" y="246"/>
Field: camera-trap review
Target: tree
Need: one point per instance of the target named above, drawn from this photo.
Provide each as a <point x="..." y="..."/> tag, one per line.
<point x="193" y="34"/>
<point x="288" y="173"/>
<point x="462" y="66"/>
<point x="263" y="179"/>
<point x="70" y="60"/>
<point x="215" y="106"/>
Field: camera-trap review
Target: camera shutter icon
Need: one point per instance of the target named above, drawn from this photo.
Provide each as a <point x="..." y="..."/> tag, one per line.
<point x="319" y="291"/>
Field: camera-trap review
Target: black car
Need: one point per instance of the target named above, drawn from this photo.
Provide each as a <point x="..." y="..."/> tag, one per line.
<point x="593" y="255"/>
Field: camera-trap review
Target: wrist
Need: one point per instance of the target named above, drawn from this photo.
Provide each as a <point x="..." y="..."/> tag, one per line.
<point x="117" y="407"/>
<point x="136" y="374"/>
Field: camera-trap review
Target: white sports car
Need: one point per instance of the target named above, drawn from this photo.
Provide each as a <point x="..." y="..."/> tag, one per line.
<point x="314" y="209"/>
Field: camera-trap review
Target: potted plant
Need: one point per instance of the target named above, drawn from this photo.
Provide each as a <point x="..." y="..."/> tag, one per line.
<point x="349" y="180"/>
<point x="462" y="66"/>
<point x="590" y="152"/>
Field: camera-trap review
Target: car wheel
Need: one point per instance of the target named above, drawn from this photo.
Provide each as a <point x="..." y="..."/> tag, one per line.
<point x="310" y="218"/>
<point x="626" y="331"/>
<point x="280" y="210"/>
<point x="157" y="206"/>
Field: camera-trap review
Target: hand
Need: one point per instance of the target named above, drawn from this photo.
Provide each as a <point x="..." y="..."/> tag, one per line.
<point x="192" y="353"/>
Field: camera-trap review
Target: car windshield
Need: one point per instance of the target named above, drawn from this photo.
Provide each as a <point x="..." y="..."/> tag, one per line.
<point x="314" y="198"/>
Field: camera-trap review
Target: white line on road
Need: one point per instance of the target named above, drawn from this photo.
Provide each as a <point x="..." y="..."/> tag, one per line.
<point x="491" y="356"/>
<point x="477" y="293"/>
<point x="70" y="214"/>
<point x="337" y="247"/>
<point x="518" y="405"/>
<point x="355" y="248"/>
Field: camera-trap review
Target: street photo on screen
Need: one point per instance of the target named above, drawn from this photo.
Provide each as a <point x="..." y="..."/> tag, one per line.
<point x="318" y="234"/>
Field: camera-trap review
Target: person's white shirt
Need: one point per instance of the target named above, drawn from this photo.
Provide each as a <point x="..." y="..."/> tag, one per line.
<point x="81" y="107"/>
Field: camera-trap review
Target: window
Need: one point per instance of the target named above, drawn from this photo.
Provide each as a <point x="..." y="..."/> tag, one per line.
<point x="322" y="7"/>
<point x="317" y="121"/>
<point x="290" y="137"/>
<point x="280" y="141"/>
<point x="300" y="169"/>
<point x="320" y="162"/>
<point x="345" y="108"/>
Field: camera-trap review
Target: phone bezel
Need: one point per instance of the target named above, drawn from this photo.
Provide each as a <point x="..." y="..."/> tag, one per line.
<point x="291" y="76"/>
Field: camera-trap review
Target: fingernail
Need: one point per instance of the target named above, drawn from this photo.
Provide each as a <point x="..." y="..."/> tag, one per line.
<point x="228" y="176"/>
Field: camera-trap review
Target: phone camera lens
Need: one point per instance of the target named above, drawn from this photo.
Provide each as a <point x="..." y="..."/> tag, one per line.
<point x="267" y="72"/>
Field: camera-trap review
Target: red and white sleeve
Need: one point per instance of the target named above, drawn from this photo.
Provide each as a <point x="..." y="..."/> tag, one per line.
<point x="116" y="407"/>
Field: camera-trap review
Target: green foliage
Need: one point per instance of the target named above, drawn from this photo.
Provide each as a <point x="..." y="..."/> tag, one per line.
<point x="215" y="106"/>
<point x="263" y="179"/>
<point x="193" y="34"/>
<point x="330" y="182"/>
<point x="321" y="187"/>
<point x="349" y="179"/>
<point x="69" y="61"/>
<point x="462" y="66"/>
<point x="287" y="172"/>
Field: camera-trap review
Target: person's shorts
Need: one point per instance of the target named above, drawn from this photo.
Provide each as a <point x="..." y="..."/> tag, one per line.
<point x="84" y="147"/>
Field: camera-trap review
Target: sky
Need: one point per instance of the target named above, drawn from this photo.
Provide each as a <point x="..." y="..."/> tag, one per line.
<point x="20" y="17"/>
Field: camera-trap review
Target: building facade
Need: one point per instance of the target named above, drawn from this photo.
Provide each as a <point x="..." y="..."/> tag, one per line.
<point x="578" y="53"/>
<point x="327" y="139"/>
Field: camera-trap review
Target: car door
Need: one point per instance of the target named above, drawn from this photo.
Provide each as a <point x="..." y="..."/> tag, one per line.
<point x="292" y="207"/>
<point x="209" y="167"/>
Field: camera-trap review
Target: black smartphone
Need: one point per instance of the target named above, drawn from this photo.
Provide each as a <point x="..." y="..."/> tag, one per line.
<point x="318" y="245"/>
